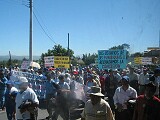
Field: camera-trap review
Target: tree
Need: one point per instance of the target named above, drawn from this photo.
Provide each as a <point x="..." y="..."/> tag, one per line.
<point x="7" y="63"/>
<point x="89" y="59"/>
<point x="137" y="54"/>
<point x="57" y="50"/>
<point x="122" y="47"/>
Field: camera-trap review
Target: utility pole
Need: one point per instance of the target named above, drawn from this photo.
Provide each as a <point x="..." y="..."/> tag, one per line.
<point x="10" y="61"/>
<point x="159" y="39"/>
<point x="30" y="33"/>
<point x="68" y="45"/>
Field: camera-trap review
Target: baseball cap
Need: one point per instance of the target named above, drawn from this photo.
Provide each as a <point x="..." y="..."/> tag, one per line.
<point x="21" y="80"/>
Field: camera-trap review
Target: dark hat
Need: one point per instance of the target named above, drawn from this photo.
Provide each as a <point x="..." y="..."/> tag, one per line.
<point x="157" y="71"/>
<point x="152" y="86"/>
<point x="61" y="77"/>
<point x="90" y="75"/>
<point x="126" y="78"/>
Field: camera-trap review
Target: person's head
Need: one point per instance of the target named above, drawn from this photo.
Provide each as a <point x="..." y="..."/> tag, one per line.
<point x="1" y="74"/>
<point x="80" y="72"/>
<point x="48" y="76"/>
<point x="61" y="77"/>
<point x="85" y="72"/>
<point x="145" y="70"/>
<point x="115" y="71"/>
<point x="125" y="80"/>
<point x="10" y="84"/>
<point x="124" y="72"/>
<point x="150" y="89"/>
<point x="110" y="72"/>
<point x="22" y="83"/>
<point x="95" y="94"/>
<point x="131" y="69"/>
<point x="157" y="72"/>
<point x="90" y="77"/>
<point x="1" y="66"/>
<point x="67" y="75"/>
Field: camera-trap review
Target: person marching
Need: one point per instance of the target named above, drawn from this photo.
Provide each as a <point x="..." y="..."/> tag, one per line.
<point x="51" y="93"/>
<point x="62" y="101"/>
<point x="156" y="80"/>
<point x="147" y="105"/>
<point x="97" y="108"/>
<point x="26" y="101"/>
<point x="3" y="81"/>
<point x="10" y="96"/>
<point x="122" y="95"/>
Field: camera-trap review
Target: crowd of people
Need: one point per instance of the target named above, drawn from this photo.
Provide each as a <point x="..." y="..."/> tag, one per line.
<point x="132" y="93"/>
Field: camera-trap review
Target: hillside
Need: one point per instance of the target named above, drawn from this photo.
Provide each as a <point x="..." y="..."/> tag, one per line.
<point x="4" y="58"/>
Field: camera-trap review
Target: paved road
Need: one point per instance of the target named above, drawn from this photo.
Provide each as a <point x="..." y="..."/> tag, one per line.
<point x="42" y="114"/>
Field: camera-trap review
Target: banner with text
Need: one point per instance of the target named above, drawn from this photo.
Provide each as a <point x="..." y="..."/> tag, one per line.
<point x="112" y="59"/>
<point x="25" y="65"/>
<point x="61" y="62"/>
<point x="49" y="61"/>
<point x="143" y="60"/>
<point x="138" y="60"/>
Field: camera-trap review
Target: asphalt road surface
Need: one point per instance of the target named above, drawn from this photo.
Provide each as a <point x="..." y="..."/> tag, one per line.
<point x="42" y="114"/>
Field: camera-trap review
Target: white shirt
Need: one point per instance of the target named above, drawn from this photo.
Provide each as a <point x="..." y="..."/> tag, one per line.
<point x="20" y="98"/>
<point x="13" y="89"/>
<point x="143" y="79"/>
<point x="122" y="96"/>
<point x="132" y="76"/>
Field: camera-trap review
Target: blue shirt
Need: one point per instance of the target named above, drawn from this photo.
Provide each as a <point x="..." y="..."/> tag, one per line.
<point x="3" y="83"/>
<point x="64" y="85"/>
<point x="50" y="89"/>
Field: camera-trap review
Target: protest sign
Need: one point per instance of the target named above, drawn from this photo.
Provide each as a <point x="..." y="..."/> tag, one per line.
<point x="112" y="59"/>
<point x="49" y="61"/>
<point x="143" y="60"/>
<point x="61" y="62"/>
<point x="138" y="60"/>
<point x="146" y="60"/>
<point x="25" y="65"/>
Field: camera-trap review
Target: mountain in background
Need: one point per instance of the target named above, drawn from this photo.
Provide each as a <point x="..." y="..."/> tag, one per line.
<point x="5" y="57"/>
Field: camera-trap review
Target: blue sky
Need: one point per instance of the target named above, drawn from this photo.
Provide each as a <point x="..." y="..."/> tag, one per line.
<point x="92" y="24"/>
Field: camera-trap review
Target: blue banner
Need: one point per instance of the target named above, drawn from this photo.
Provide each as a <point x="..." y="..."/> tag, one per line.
<point x="112" y="59"/>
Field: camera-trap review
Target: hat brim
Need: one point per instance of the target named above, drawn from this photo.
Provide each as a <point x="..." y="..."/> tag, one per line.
<point x="9" y="83"/>
<point x="97" y="94"/>
<point x="17" y="83"/>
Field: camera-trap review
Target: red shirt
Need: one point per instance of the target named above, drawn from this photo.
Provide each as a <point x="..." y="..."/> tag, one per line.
<point x="147" y="109"/>
<point x="102" y="81"/>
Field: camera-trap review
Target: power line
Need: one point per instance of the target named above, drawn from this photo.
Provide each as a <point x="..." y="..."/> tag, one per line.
<point x="47" y="31"/>
<point x="26" y="3"/>
<point x="43" y="29"/>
